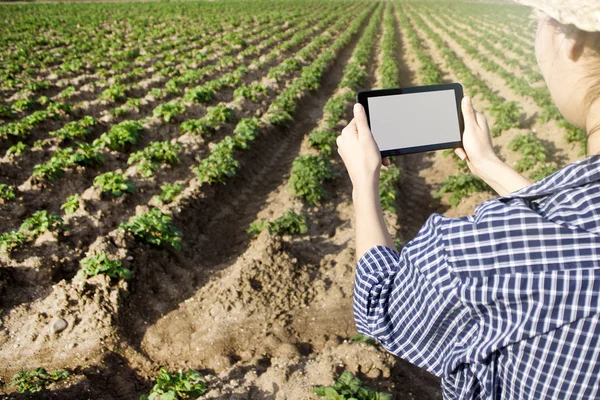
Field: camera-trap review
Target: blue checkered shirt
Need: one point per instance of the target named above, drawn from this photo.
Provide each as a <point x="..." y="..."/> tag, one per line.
<point x="503" y="304"/>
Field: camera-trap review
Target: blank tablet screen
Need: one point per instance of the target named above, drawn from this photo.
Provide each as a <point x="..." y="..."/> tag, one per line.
<point x="414" y="119"/>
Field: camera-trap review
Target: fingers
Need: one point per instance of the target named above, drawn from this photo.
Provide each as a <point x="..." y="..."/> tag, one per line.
<point x="360" y="116"/>
<point x="468" y="112"/>
<point x="461" y="153"/>
<point x="385" y="161"/>
<point x="481" y="119"/>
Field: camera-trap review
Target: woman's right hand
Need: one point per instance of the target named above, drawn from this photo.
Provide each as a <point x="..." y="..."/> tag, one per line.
<point x="477" y="149"/>
<point x="479" y="154"/>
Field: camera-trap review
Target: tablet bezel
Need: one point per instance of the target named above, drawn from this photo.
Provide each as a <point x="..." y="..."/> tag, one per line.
<point x="363" y="95"/>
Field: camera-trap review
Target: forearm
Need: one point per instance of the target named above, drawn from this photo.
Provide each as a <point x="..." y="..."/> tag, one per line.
<point x="370" y="226"/>
<point x="502" y="178"/>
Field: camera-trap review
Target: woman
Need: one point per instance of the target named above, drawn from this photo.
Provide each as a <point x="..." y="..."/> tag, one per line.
<point x="504" y="303"/>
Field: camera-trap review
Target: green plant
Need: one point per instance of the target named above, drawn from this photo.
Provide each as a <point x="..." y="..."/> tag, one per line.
<point x="179" y="385"/>
<point x="195" y="126"/>
<point x="169" y="192"/>
<point x="388" y="186"/>
<point x="200" y="94"/>
<point x="11" y="240"/>
<point x="252" y="92"/>
<point x="322" y="140"/>
<point x="101" y="264"/>
<point x="307" y="175"/>
<point x="75" y="129"/>
<point x="334" y="110"/>
<point x="114" y="183"/>
<point x="532" y="149"/>
<point x="220" y="163"/>
<point x="461" y="186"/>
<point x="348" y="387"/>
<point x="245" y="132"/>
<point x="22" y="105"/>
<point x="31" y="381"/>
<point x="150" y="158"/>
<point x="218" y="114"/>
<point x="168" y="111"/>
<point x="542" y="171"/>
<point x="17" y="149"/>
<point x="126" y="132"/>
<point x="114" y="93"/>
<point x="71" y="204"/>
<point x="290" y="223"/>
<point x="57" y="110"/>
<point x="508" y="115"/>
<point x="257" y="227"/>
<point x="364" y="339"/>
<point x="6" y="192"/>
<point x="40" y="222"/>
<point x="67" y="93"/>
<point x="153" y="228"/>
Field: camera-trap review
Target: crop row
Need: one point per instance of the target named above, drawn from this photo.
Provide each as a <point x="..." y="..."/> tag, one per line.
<point x="244" y="133"/>
<point x="117" y="91"/>
<point x="175" y="108"/>
<point x="98" y="45"/>
<point x="128" y="132"/>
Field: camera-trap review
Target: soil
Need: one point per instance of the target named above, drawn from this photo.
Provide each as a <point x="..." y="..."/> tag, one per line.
<point x="261" y="317"/>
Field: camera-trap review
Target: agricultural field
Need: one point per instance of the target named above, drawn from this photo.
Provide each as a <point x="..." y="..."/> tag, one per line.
<point x="174" y="216"/>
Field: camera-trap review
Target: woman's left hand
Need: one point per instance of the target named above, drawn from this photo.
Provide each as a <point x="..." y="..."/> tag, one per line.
<point x="359" y="150"/>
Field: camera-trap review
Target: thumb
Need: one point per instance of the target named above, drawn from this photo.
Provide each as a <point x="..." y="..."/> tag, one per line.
<point x="361" y="119"/>
<point x="468" y="112"/>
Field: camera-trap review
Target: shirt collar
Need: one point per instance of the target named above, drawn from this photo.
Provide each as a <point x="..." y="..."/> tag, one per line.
<point x="576" y="174"/>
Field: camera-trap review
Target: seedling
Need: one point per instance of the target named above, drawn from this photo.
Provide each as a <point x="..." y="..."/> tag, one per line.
<point x="169" y="111"/>
<point x="348" y="387"/>
<point x="179" y="385"/>
<point x="389" y="180"/>
<point x="114" y="93"/>
<point x="126" y="132"/>
<point x="307" y="176"/>
<point x="11" y="240"/>
<point x="461" y="186"/>
<point x="289" y="223"/>
<point x="199" y="94"/>
<point x="218" y="114"/>
<point x="17" y="149"/>
<point x="101" y="264"/>
<point x="195" y="126"/>
<point x="40" y="222"/>
<point x="245" y="132"/>
<point x="114" y="183"/>
<point x="323" y="140"/>
<point x="252" y="92"/>
<point x="364" y="339"/>
<point x="220" y="164"/>
<point x="6" y="192"/>
<point x="71" y="205"/>
<point x="154" y="228"/>
<point x="150" y="158"/>
<point x="168" y="193"/>
<point x="35" y="380"/>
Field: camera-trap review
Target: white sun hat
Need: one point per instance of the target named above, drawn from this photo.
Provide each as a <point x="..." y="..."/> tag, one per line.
<point x="584" y="14"/>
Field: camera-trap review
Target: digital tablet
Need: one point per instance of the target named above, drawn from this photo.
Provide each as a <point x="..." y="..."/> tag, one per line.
<point x="414" y="119"/>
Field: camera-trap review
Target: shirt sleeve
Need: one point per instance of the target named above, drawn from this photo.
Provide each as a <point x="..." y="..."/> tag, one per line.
<point x="408" y="302"/>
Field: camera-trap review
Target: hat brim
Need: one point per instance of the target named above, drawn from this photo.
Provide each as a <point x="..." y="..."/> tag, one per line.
<point x="584" y="14"/>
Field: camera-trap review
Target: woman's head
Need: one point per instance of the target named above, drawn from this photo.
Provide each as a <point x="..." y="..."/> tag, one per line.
<point x="569" y="59"/>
